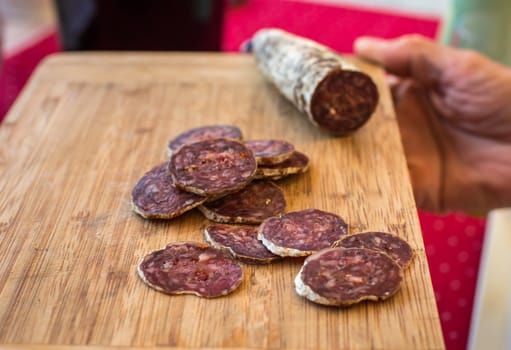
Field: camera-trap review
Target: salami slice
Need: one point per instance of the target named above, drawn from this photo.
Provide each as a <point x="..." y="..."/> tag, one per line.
<point x="301" y="233"/>
<point x="335" y="94"/>
<point x="254" y="203"/>
<point x="270" y="151"/>
<point x="240" y="241"/>
<point x="156" y="197"/>
<point x="394" y="246"/>
<point x="296" y="164"/>
<point x="191" y="268"/>
<point x="345" y="276"/>
<point x="208" y="132"/>
<point x="212" y="167"/>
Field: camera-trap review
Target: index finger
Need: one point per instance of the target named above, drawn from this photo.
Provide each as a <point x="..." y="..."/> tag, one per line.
<point x="411" y="56"/>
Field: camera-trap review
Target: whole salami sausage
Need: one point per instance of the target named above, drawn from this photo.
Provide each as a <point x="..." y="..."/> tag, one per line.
<point x="394" y="246"/>
<point x="156" y="197"/>
<point x="301" y="233"/>
<point x="254" y="203"/>
<point x="191" y="268"/>
<point x="202" y="133"/>
<point x="240" y="241"/>
<point x="335" y="94"/>
<point x="212" y="167"/>
<point x="345" y="276"/>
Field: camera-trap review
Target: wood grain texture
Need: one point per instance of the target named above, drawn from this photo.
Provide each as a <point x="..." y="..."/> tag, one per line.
<point x="84" y="131"/>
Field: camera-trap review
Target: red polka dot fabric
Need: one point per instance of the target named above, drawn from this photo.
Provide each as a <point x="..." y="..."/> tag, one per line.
<point x="453" y="246"/>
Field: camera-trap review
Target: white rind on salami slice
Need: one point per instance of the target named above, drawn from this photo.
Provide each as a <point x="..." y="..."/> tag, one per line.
<point x="394" y="246"/>
<point x="270" y="151"/>
<point x="279" y="250"/>
<point x="301" y="233"/>
<point x="346" y="276"/>
<point x="156" y="197"/>
<point x="191" y="268"/>
<point x="333" y="92"/>
<point x="240" y="241"/>
<point x="212" y="167"/>
<point x="253" y="204"/>
<point x="202" y="133"/>
<point x="296" y="164"/>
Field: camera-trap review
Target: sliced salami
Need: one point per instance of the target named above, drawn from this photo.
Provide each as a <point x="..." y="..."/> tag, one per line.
<point x="208" y="132"/>
<point x="334" y="93"/>
<point x="394" y="246"/>
<point x="254" y="203"/>
<point x="270" y="151"/>
<point x="296" y="164"/>
<point x="191" y="268"/>
<point x="240" y="241"/>
<point x="156" y="197"/>
<point x="301" y="233"/>
<point x="212" y="167"/>
<point x="345" y="276"/>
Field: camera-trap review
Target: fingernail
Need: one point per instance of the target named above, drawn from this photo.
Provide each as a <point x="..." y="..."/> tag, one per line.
<point x="365" y="43"/>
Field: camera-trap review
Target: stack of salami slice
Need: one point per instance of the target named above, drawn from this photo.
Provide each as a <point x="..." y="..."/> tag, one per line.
<point x="230" y="181"/>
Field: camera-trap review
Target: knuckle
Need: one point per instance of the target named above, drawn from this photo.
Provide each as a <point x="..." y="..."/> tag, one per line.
<point x="413" y="40"/>
<point x="470" y="60"/>
<point x="471" y="57"/>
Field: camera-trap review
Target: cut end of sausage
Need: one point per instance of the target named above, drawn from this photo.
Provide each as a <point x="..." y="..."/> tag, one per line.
<point x="346" y="276"/>
<point x="301" y="233"/>
<point x="239" y="241"/>
<point x="344" y="101"/>
<point x="202" y="133"/>
<point x="191" y="268"/>
<point x="253" y="204"/>
<point x="296" y="164"/>
<point x="212" y="167"/>
<point x="155" y="196"/>
<point x="394" y="246"/>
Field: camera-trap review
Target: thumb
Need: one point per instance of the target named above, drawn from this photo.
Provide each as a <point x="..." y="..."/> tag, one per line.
<point x="410" y="56"/>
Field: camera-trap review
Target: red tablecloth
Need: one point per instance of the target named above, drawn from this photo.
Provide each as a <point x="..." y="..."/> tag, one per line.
<point x="334" y="26"/>
<point x="17" y="68"/>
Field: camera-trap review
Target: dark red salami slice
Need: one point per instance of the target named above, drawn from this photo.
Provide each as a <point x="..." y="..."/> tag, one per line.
<point x="156" y="197"/>
<point x="301" y="233"/>
<point x="254" y="203"/>
<point x="296" y="164"/>
<point x="345" y="276"/>
<point x="394" y="246"/>
<point x="333" y="92"/>
<point x="208" y="132"/>
<point x="240" y="241"/>
<point x="191" y="268"/>
<point x="212" y="167"/>
<point x="270" y="151"/>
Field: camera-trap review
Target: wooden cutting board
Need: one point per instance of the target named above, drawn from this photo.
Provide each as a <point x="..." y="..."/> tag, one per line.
<point x="84" y="131"/>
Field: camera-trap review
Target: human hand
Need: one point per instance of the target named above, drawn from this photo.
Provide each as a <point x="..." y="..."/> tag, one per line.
<point x="454" y="112"/>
